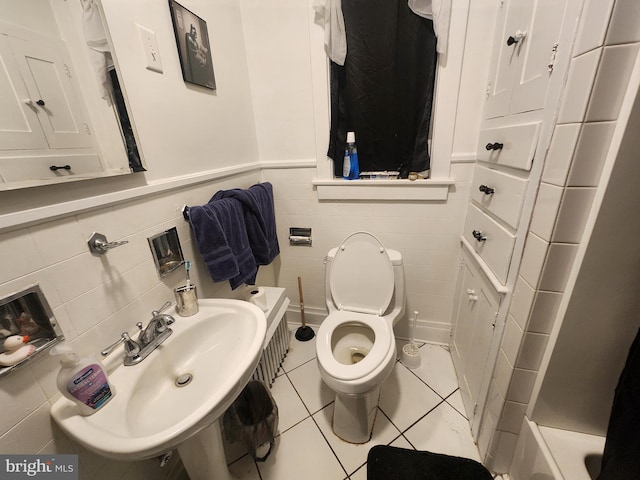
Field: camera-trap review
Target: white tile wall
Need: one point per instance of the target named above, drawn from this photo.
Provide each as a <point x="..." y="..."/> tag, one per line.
<point x="625" y="23"/>
<point x="593" y="25"/>
<point x="545" y="210"/>
<point x="611" y="81"/>
<point x="572" y="215"/>
<point x="558" y="161"/>
<point x="578" y="89"/>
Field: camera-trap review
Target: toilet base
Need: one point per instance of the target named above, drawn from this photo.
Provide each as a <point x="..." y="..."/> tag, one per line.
<point x="354" y="415"/>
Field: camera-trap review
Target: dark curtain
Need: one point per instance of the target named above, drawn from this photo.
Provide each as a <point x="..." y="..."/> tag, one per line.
<point x="621" y="458"/>
<point x="384" y="91"/>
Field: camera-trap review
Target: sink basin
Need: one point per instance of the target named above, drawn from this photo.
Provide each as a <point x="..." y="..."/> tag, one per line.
<point x="179" y="390"/>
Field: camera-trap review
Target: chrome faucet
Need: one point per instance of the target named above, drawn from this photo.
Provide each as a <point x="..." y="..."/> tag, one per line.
<point x="149" y="338"/>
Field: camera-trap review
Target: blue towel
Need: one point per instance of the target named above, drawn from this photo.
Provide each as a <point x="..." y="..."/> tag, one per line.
<point x="221" y="235"/>
<point x="260" y="219"/>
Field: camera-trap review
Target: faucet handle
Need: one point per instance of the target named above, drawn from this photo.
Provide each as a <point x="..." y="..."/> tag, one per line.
<point x="131" y="348"/>
<point x="155" y="313"/>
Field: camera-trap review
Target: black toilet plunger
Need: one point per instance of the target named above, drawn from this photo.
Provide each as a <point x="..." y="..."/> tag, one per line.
<point x="304" y="333"/>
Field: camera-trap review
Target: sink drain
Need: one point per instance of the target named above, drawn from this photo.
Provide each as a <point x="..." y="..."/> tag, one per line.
<point x="184" y="380"/>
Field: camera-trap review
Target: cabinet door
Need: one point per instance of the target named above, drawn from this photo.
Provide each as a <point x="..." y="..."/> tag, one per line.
<point x="504" y="61"/>
<point x="19" y="125"/>
<point x="526" y="32"/>
<point x="47" y="78"/>
<point x="473" y="331"/>
<point x="543" y="30"/>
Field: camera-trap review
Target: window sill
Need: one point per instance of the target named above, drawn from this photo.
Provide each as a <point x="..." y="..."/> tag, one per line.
<point x="383" y="190"/>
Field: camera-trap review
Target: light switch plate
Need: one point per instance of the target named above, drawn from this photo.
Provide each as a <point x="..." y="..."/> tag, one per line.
<point x="150" y="48"/>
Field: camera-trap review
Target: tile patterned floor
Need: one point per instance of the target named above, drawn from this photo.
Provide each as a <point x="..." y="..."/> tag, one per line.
<point x="419" y="409"/>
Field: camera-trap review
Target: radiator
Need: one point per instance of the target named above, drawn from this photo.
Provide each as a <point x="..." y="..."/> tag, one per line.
<point x="276" y="342"/>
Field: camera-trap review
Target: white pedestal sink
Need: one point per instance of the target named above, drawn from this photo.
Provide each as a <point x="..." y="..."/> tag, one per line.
<point x="215" y="353"/>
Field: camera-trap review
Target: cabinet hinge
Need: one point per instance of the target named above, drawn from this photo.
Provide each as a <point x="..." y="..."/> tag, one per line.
<point x="475" y="409"/>
<point x="495" y="319"/>
<point x="460" y="262"/>
<point x="487" y="92"/>
<point x="67" y="70"/>
<point x="86" y="129"/>
<point x="552" y="60"/>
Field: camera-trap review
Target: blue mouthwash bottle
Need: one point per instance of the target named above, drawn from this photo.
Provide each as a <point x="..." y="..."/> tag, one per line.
<point x="354" y="166"/>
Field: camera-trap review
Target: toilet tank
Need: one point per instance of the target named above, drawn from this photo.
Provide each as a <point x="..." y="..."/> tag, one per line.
<point x="397" y="304"/>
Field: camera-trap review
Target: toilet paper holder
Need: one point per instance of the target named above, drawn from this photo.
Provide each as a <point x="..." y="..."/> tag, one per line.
<point x="300" y="236"/>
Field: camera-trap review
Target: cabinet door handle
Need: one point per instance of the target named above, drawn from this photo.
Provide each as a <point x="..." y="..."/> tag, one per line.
<point x="477" y="234"/>
<point x="486" y="190"/>
<point x="513" y="39"/>
<point x="53" y="168"/>
<point x="40" y="102"/>
<point x="494" y="146"/>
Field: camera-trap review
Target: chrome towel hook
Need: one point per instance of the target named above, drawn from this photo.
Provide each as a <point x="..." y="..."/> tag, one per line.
<point x="98" y="244"/>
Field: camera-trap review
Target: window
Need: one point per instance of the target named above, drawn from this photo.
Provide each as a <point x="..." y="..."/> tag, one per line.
<point x="384" y="90"/>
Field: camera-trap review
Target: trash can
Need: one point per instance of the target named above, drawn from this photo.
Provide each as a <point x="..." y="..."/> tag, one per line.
<point x="252" y="420"/>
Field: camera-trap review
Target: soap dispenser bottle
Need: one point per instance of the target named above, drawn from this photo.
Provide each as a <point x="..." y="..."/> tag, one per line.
<point x="354" y="164"/>
<point x="82" y="380"/>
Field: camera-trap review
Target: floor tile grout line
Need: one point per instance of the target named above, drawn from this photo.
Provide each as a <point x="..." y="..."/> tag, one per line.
<point x="423" y="381"/>
<point x="329" y="445"/>
<point x="447" y="400"/>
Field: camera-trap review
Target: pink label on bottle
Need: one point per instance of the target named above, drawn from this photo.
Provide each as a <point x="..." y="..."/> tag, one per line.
<point x="90" y="386"/>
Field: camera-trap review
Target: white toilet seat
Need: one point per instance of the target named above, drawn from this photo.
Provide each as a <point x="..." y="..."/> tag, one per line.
<point x="370" y="364"/>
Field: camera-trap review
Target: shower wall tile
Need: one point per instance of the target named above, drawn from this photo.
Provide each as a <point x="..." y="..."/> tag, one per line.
<point x="502" y="374"/>
<point x="522" y="302"/>
<point x="611" y="82"/>
<point x="546" y="210"/>
<point x="592" y="148"/>
<point x="625" y="23"/>
<point x="574" y="210"/>
<point x="558" y="159"/>
<point x="557" y="266"/>
<point x="582" y="72"/>
<point x="512" y="415"/>
<point x="593" y="25"/>
<point x="535" y="251"/>
<point x="512" y="339"/>
<point x="521" y="385"/>
<point x="505" y="451"/>
<point x="543" y="311"/>
<point x="532" y="350"/>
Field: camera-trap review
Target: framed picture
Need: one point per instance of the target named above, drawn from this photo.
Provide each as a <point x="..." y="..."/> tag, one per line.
<point x="192" y="39"/>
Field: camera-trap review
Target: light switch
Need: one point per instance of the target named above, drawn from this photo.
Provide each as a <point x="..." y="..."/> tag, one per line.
<point x="150" y="48"/>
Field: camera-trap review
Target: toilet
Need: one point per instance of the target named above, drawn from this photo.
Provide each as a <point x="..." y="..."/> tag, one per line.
<point x="355" y="345"/>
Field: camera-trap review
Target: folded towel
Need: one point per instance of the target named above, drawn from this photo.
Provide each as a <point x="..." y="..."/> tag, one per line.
<point x="260" y="219"/>
<point x="221" y="235"/>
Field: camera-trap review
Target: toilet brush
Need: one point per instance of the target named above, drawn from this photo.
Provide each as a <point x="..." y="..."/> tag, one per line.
<point x="410" y="351"/>
<point x="304" y="333"/>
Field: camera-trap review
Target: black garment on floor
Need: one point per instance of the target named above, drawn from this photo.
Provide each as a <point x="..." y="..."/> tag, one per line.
<point x="621" y="459"/>
<point x="391" y="463"/>
<point x="384" y="91"/>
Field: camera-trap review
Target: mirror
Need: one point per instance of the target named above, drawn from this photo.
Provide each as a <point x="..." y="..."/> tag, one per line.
<point x="61" y="118"/>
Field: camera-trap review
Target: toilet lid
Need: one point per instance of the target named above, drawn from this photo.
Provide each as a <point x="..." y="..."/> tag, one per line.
<point x="361" y="278"/>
